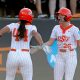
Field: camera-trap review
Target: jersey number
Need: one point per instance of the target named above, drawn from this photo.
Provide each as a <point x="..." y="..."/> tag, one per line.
<point x="15" y="34"/>
<point x="67" y="46"/>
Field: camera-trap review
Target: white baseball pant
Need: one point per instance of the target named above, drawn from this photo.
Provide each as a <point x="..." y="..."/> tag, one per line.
<point x="21" y="60"/>
<point x="66" y="63"/>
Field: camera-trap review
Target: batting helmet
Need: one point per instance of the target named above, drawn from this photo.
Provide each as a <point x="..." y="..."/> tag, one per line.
<point x="25" y="14"/>
<point x="66" y="12"/>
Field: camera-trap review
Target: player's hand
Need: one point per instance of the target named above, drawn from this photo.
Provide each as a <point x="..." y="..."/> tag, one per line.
<point x="46" y="48"/>
<point x="37" y="47"/>
<point x="34" y="49"/>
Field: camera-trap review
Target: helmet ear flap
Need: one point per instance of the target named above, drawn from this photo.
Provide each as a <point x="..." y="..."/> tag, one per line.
<point x="67" y="18"/>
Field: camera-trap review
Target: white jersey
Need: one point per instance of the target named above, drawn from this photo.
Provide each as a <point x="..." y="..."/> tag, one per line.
<point x="25" y="42"/>
<point x="66" y="37"/>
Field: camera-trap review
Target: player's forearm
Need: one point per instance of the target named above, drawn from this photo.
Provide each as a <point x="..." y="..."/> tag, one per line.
<point x="4" y="30"/>
<point x="50" y="42"/>
<point x="39" y="39"/>
<point x="78" y="43"/>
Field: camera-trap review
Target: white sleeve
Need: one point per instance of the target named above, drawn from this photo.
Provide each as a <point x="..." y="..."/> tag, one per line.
<point x="33" y="28"/>
<point x="10" y="26"/>
<point x="77" y="34"/>
<point x="53" y="34"/>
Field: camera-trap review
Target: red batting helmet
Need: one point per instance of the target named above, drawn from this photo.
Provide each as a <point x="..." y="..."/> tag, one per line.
<point x="66" y="12"/>
<point x="25" y="14"/>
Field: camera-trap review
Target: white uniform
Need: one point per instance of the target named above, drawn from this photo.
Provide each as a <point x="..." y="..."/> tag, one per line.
<point x="19" y="56"/>
<point x="66" y="61"/>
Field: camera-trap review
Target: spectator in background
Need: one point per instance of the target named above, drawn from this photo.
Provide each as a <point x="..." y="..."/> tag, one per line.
<point x="10" y="8"/>
<point x="14" y="6"/>
<point x="73" y="5"/>
<point x="52" y="6"/>
<point x="39" y="9"/>
<point x="2" y="8"/>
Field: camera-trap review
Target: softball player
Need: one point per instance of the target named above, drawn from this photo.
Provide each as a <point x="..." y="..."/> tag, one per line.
<point x="19" y="55"/>
<point x="68" y="38"/>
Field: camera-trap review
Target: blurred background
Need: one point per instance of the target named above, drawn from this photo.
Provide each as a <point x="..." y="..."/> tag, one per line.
<point x="40" y="8"/>
<point x="43" y="11"/>
<point x="41" y="68"/>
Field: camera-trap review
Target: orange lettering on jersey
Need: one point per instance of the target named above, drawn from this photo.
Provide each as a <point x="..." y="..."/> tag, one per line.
<point x="17" y="38"/>
<point x="67" y="46"/>
<point x="15" y="34"/>
<point x="63" y="38"/>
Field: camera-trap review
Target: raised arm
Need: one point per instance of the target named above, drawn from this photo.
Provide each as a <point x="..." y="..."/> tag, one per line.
<point x="4" y="30"/>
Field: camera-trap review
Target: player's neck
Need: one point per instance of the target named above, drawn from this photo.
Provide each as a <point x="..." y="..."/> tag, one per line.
<point x="65" y="24"/>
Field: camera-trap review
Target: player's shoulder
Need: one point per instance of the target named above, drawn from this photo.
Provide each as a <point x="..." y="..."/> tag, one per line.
<point x="13" y="24"/>
<point x="56" y="27"/>
<point x="75" y="28"/>
<point x="32" y="26"/>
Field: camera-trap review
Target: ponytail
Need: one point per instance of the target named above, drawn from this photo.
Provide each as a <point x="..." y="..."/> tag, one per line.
<point x="22" y="29"/>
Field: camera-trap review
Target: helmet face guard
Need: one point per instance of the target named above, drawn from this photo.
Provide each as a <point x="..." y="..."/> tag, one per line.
<point x="66" y="12"/>
<point x="26" y="14"/>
